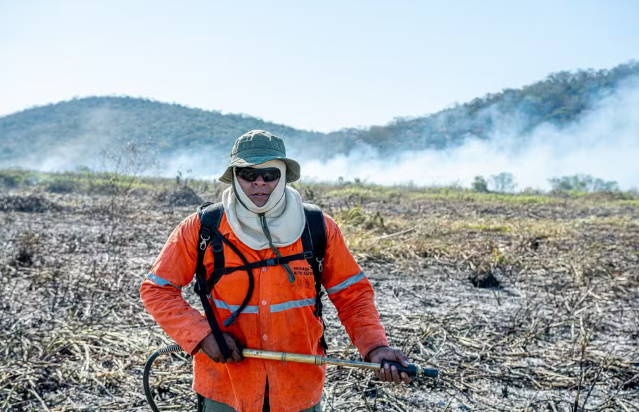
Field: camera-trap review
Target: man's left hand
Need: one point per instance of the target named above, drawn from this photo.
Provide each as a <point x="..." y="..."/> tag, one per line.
<point x="389" y="373"/>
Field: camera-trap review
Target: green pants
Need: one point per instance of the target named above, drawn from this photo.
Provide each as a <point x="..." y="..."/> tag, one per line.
<point x="213" y="406"/>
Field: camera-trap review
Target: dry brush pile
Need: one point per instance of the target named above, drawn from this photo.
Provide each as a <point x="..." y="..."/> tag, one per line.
<point x="521" y="306"/>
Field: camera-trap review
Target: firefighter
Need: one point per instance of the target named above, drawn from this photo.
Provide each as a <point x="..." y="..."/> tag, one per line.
<point x="263" y="221"/>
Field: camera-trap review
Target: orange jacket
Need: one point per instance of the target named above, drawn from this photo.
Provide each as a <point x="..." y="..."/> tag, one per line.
<point x="279" y="316"/>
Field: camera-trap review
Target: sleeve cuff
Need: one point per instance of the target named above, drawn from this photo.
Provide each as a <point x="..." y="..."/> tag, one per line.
<point x="192" y="347"/>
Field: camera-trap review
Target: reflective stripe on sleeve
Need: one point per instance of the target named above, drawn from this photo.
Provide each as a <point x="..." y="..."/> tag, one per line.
<point x="346" y="283"/>
<point x="160" y="282"/>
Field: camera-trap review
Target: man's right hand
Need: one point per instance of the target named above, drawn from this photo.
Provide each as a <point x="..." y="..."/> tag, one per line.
<point x="212" y="350"/>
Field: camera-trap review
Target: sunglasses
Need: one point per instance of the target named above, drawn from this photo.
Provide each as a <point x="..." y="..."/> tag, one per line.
<point x="250" y="174"/>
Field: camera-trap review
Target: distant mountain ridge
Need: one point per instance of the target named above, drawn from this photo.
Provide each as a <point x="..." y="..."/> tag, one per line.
<point x="78" y="128"/>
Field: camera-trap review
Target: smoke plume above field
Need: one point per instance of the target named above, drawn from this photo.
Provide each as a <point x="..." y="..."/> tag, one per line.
<point x="603" y="143"/>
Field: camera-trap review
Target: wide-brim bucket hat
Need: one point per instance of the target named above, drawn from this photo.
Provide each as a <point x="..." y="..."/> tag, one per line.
<point x="257" y="147"/>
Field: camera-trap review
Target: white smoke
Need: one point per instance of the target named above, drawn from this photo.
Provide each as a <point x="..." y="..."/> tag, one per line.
<point x="83" y="150"/>
<point x="208" y="165"/>
<point x="603" y="143"/>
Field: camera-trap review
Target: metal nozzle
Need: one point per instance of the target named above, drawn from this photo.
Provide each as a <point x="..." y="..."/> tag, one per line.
<point x="428" y="372"/>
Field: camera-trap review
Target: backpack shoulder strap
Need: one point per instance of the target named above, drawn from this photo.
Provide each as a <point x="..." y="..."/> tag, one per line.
<point x="210" y="215"/>
<point x="314" y="240"/>
<point x="317" y="232"/>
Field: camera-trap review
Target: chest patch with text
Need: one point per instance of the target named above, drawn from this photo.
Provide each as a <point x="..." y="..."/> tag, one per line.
<point x="304" y="276"/>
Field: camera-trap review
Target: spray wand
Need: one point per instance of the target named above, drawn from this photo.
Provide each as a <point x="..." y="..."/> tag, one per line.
<point x="412" y="370"/>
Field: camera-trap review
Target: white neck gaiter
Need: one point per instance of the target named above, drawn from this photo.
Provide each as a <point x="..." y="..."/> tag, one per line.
<point x="284" y="213"/>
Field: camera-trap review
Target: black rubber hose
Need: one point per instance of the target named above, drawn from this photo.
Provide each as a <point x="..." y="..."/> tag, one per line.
<point x="147" y="371"/>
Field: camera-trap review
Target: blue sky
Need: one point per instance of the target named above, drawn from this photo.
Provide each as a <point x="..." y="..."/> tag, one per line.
<point x="315" y="65"/>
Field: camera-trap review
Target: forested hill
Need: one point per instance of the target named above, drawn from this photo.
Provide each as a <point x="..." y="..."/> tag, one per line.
<point x="559" y="99"/>
<point x="79" y="128"/>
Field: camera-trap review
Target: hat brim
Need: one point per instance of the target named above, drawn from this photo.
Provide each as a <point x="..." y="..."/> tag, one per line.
<point x="292" y="167"/>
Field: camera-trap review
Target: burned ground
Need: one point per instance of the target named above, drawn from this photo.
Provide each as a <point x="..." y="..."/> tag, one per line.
<point x="522" y="303"/>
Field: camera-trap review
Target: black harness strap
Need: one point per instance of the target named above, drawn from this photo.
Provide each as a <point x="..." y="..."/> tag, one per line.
<point x="231" y="319"/>
<point x="262" y="263"/>
<point x="210" y="216"/>
<point x="216" y="246"/>
<point x="313" y="243"/>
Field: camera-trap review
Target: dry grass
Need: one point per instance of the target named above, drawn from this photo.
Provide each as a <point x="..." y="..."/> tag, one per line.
<point x="555" y="331"/>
